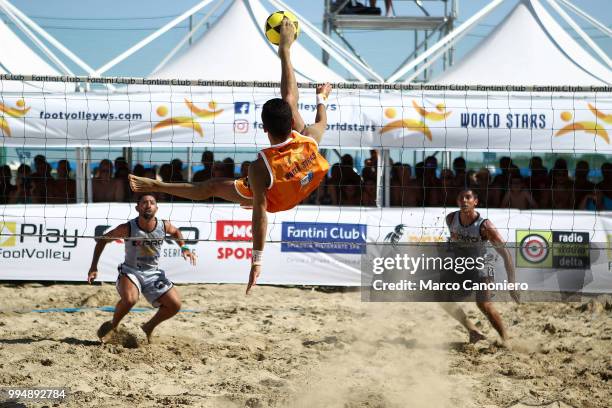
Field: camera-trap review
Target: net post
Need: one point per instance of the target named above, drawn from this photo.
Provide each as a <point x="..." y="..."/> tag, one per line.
<point x="83" y="175"/>
<point x="383" y="178"/>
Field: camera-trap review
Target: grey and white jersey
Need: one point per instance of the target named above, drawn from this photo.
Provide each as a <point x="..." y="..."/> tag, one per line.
<point x="143" y="248"/>
<point x="469" y="235"/>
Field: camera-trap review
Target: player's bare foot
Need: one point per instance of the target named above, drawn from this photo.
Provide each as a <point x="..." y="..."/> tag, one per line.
<point x="287" y="34"/>
<point x="476" y="336"/>
<point x="141" y="184"/>
<point x="148" y="331"/>
<point x="324" y="90"/>
<point x="104" y="330"/>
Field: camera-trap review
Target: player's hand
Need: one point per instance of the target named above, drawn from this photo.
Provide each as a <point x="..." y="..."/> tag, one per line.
<point x="324" y="89"/>
<point x="514" y="294"/>
<point x="255" y="271"/>
<point x="287" y="33"/>
<point x="92" y="275"/>
<point x="189" y="256"/>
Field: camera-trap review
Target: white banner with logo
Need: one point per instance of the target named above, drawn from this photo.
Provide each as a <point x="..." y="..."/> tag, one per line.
<point x="231" y="117"/>
<point x="310" y="245"/>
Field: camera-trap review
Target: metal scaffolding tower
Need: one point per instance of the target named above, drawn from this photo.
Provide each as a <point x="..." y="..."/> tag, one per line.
<point x="427" y="29"/>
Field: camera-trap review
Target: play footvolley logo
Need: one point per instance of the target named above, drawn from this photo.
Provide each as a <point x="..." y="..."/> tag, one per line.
<point x="552" y="249"/>
<point x="7" y="234"/>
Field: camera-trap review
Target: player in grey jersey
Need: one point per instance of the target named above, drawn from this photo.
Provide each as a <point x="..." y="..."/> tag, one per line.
<point x="140" y="273"/>
<point x="471" y="233"/>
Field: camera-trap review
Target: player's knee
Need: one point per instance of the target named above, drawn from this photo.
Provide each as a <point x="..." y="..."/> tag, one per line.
<point x="174" y="306"/>
<point x="129" y="299"/>
<point x="485" y="307"/>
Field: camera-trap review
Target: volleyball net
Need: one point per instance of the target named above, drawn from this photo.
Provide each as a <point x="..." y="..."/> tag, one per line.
<point x="538" y="158"/>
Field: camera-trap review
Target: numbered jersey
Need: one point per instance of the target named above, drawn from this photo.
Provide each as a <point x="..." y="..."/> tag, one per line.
<point x="143" y="248"/>
<point x="296" y="169"/>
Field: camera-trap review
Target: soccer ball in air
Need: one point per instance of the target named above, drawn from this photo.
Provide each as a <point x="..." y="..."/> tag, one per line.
<point x="273" y="25"/>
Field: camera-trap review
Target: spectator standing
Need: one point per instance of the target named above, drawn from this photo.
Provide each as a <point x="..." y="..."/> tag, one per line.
<point x="65" y="187"/>
<point x="6" y="188"/>
<point x="105" y="187"/>
<point x="518" y="197"/>
<point x="208" y="159"/>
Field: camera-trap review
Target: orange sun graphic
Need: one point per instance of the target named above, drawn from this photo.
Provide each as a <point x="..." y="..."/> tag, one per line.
<point x="18" y="112"/>
<point x="593" y="128"/>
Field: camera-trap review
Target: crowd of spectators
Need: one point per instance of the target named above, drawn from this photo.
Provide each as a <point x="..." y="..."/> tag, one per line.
<point x="424" y="185"/>
<point x="542" y="189"/>
<point x="38" y="187"/>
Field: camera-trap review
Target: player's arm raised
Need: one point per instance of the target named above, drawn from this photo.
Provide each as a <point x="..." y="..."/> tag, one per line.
<point x="178" y="238"/>
<point x="495" y="238"/>
<point x="259" y="181"/>
<point x="121" y="231"/>
<point x="289" y="89"/>
<point x="317" y="129"/>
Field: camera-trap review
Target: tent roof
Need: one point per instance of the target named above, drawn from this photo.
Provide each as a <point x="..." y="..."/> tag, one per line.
<point x="236" y="48"/>
<point x="528" y="47"/>
<point x="18" y="58"/>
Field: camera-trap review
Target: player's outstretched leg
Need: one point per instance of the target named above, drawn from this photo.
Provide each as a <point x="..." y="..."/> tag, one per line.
<point x="458" y="314"/>
<point x="170" y="304"/>
<point x="495" y="319"/>
<point x="215" y="187"/>
<point x="129" y="296"/>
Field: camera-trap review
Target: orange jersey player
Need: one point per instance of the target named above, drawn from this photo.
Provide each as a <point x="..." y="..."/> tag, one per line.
<point x="284" y="174"/>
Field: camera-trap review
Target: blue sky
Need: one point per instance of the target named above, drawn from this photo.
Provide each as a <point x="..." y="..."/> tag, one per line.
<point x="97" y="31"/>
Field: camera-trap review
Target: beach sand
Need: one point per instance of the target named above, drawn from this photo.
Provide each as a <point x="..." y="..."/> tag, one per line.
<point x="295" y="347"/>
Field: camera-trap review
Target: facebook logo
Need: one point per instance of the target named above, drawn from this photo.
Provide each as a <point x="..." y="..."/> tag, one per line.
<point x="241" y="107"/>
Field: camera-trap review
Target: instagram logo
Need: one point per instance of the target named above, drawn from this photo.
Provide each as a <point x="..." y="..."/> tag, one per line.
<point x="241" y="126"/>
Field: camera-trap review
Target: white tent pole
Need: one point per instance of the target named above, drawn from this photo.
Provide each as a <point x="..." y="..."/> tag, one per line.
<point x="450" y="37"/>
<point x="36" y="41"/>
<point x="150" y="38"/>
<point x="48" y="37"/>
<point x="313" y="32"/>
<point x="331" y="52"/>
<point x="580" y="32"/>
<point x="588" y="18"/>
<point x="433" y="59"/>
<point x="188" y="36"/>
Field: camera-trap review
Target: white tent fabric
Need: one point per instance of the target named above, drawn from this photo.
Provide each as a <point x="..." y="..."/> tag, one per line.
<point x="528" y="47"/>
<point x="236" y="48"/>
<point x="17" y="58"/>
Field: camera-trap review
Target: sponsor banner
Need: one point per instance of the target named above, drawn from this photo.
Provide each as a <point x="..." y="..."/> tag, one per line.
<point x="222" y="117"/>
<point x="330" y="238"/>
<point x="308" y="245"/>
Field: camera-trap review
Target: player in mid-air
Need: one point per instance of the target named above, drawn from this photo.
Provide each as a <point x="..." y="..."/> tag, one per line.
<point x="284" y="174"/>
<point x="140" y="273"/>
<point x="470" y="232"/>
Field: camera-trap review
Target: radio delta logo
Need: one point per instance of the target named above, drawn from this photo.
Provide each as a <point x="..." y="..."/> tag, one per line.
<point x="235" y="231"/>
<point x="552" y="249"/>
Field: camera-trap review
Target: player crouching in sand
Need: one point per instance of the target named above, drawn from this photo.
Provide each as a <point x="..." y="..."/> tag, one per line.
<point x="140" y="273"/>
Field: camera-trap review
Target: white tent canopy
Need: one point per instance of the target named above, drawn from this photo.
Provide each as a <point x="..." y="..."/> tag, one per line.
<point x="528" y="47"/>
<point x="18" y="58"/>
<point x="236" y="48"/>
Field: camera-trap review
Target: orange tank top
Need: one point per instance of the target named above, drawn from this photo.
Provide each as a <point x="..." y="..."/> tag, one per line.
<point x="296" y="169"/>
